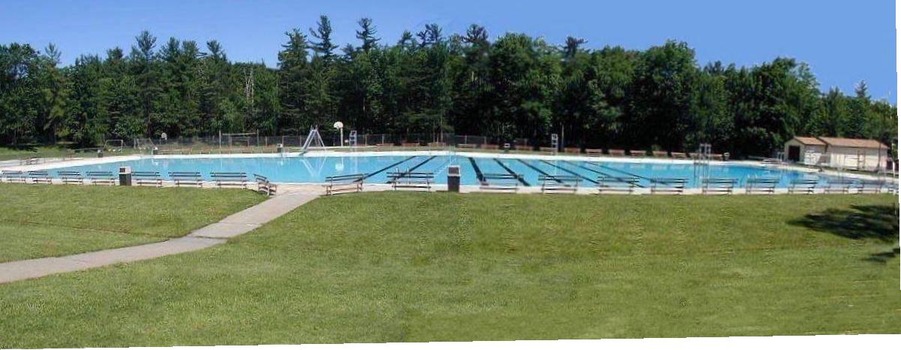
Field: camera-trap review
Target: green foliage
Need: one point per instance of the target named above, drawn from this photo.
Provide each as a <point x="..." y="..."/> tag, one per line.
<point x="430" y="82"/>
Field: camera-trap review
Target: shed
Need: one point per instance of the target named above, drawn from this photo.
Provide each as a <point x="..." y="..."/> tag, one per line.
<point x="856" y="154"/>
<point x="804" y="150"/>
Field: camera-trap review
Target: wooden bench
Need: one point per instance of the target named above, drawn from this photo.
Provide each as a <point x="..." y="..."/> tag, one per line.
<point x="559" y="183"/>
<point x="344" y="183"/>
<point x="761" y="185"/>
<point x="679" y="155"/>
<point x="14" y="176"/>
<point x="500" y="182"/>
<point x="466" y="145"/>
<point x="408" y="179"/>
<point x="802" y="186"/>
<point x="547" y="149"/>
<point x="235" y="179"/>
<point x="718" y="185"/>
<point x="637" y="153"/>
<point x="142" y="178"/>
<point x="575" y="150"/>
<point x="264" y="186"/>
<point x="70" y="177"/>
<point x="30" y="161"/>
<point x="660" y="154"/>
<point x="187" y="178"/>
<point x="838" y="186"/>
<point x="410" y="144"/>
<point x="616" y="152"/>
<point x="617" y="184"/>
<point x="101" y="178"/>
<point x="594" y="151"/>
<point x="672" y="185"/>
<point x="39" y="176"/>
<point x="437" y="144"/>
<point x="490" y="146"/>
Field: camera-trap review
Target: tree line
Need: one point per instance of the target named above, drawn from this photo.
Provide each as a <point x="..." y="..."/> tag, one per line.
<point x="514" y="86"/>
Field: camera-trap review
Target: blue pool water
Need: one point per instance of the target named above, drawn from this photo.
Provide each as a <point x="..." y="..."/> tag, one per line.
<point x="314" y="169"/>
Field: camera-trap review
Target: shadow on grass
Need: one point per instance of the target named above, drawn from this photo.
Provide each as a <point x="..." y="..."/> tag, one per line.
<point x="868" y="222"/>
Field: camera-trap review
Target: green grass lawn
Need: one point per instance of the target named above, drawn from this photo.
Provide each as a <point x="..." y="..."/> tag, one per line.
<point x="41" y="221"/>
<point x="390" y="267"/>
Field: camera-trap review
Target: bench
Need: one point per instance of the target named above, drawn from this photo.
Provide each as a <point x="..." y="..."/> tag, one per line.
<point x="39" y="176"/>
<point x="409" y="144"/>
<point x="30" y="161"/>
<point x="572" y="150"/>
<point x="637" y="153"/>
<point x="679" y="155"/>
<point x="594" y="151"/>
<point x="142" y="178"/>
<point x="264" y="186"/>
<point x="761" y="185"/>
<point x="718" y="185"/>
<point x="409" y="179"/>
<point x="660" y="154"/>
<point x="14" y="176"/>
<point x="615" y="184"/>
<point x="838" y="186"/>
<point x="559" y="183"/>
<point x="71" y="177"/>
<point x="187" y="178"/>
<point x="672" y="185"/>
<point x="344" y="183"/>
<point x="235" y="179"/>
<point x="500" y="182"/>
<point x="547" y="149"/>
<point x="802" y="186"/>
<point x="617" y="152"/>
<point x="466" y="145"/>
<point x="101" y="178"/>
<point x="870" y="186"/>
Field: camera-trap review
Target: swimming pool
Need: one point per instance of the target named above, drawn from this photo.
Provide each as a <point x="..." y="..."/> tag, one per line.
<point x="473" y="166"/>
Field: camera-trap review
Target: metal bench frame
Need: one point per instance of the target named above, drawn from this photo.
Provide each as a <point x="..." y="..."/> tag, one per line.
<point x="236" y="179"/>
<point x="409" y="179"/>
<point x="617" y="184"/>
<point x="264" y="186"/>
<point x="40" y="176"/>
<point x="142" y="178"/>
<point x="71" y="177"/>
<point x="344" y="184"/>
<point x="13" y="176"/>
<point x="101" y="178"/>
<point x="500" y="182"/>
<point x="718" y="185"/>
<point x="870" y="186"/>
<point x="806" y="186"/>
<point x="187" y="178"/>
<point x="672" y="185"/>
<point x="761" y="185"/>
<point x="559" y="183"/>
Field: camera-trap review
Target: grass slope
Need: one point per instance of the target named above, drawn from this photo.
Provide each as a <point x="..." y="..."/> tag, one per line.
<point x="41" y="221"/>
<point x="388" y="267"/>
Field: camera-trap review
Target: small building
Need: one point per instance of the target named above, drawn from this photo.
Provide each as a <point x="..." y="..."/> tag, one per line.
<point x="804" y="150"/>
<point x="837" y="152"/>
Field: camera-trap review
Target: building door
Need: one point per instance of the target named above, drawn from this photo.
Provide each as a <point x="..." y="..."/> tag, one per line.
<point x="794" y="153"/>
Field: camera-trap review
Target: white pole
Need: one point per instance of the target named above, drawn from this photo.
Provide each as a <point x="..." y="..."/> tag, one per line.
<point x="342" y="136"/>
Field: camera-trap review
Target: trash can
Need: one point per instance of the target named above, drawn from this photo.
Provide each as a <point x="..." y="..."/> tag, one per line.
<point x="154" y="151"/>
<point x="453" y="178"/>
<point x="280" y="149"/>
<point x="99" y="153"/>
<point x="125" y="176"/>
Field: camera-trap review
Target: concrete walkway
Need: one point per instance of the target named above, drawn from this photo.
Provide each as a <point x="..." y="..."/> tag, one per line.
<point x="215" y="234"/>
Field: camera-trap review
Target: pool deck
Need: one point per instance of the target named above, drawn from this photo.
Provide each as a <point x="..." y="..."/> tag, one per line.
<point x="463" y="188"/>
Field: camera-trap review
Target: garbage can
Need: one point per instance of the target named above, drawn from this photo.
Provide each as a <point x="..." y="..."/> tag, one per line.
<point x="453" y="178"/>
<point x="99" y="153"/>
<point x="154" y="151"/>
<point x="125" y="176"/>
<point x="280" y="149"/>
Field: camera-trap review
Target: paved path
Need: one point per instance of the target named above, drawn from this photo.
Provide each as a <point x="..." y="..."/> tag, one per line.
<point x="236" y="224"/>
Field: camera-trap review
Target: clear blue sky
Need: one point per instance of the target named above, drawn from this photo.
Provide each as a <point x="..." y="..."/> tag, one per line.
<point x="844" y="42"/>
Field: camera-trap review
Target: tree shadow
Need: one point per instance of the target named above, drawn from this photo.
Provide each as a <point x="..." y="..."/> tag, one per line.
<point x="860" y="222"/>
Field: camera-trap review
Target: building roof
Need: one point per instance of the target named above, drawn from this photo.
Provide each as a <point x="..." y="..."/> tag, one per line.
<point x="809" y="141"/>
<point x="853" y="143"/>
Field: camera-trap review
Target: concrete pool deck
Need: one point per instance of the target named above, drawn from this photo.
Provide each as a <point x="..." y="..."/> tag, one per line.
<point x="236" y="224"/>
